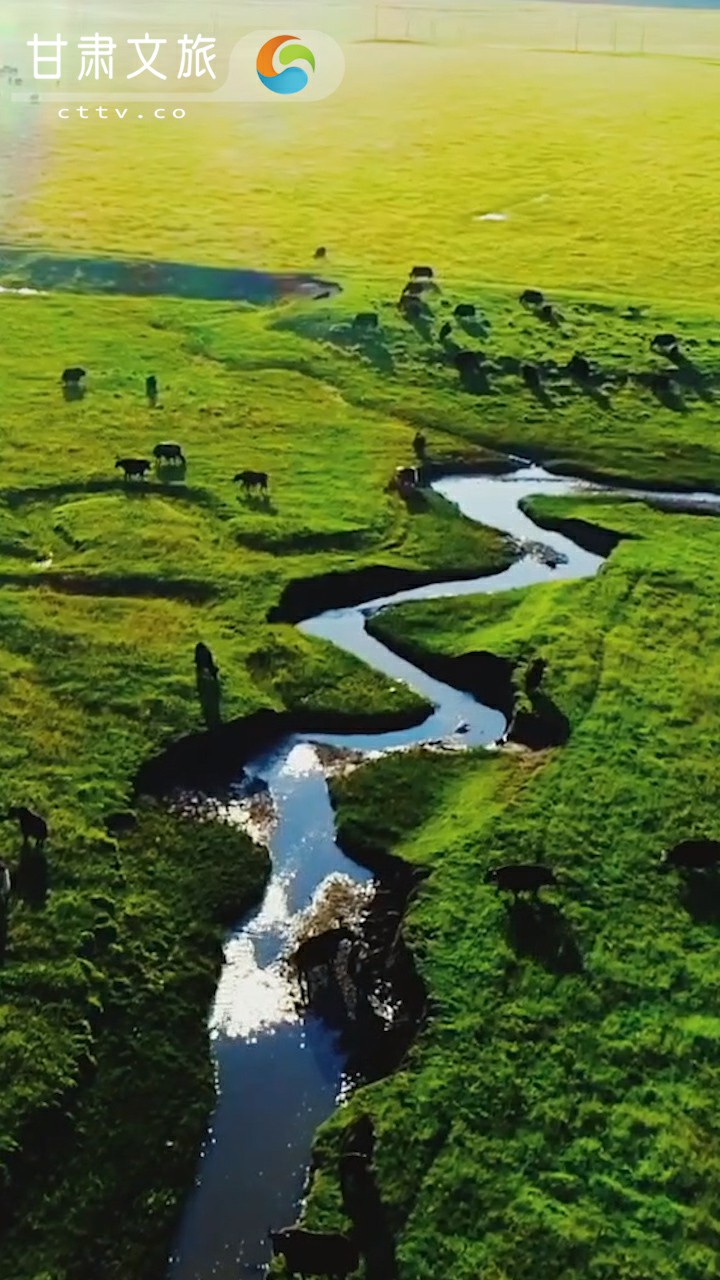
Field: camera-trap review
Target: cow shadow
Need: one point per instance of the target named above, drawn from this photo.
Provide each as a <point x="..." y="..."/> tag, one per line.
<point x="31" y="877"/>
<point x="690" y="376"/>
<point x="477" y="328"/>
<point x="665" y="390"/>
<point x="475" y="381"/>
<point x="700" y="896"/>
<point x="372" y="348"/>
<point x="260" y="502"/>
<point x="73" y="391"/>
<point x="422" y="323"/>
<point x="170" y="472"/>
<point x="670" y="397"/>
<point x="364" y="1207"/>
<point x="541" y="394"/>
<point x="538" y="930"/>
<point x="594" y="391"/>
<point x="209" y="697"/>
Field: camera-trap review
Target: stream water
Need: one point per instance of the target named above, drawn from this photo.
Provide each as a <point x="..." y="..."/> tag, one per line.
<point x="279" y="1074"/>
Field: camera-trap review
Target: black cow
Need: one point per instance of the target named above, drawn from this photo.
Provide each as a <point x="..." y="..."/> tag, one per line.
<point x="519" y="878"/>
<point x="532" y="298"/>
<point x="32" y="826"/>
<point x="366" y="320"/>
<point x="445" y="330"/>
<point x="71" y="377"/>
<point x="151" y="387"/>
<point x="320" y="252"/>
<point x="464" y="310"/>
<point x="695" y="855"/>
<point x="422" y="273"/>
<point x="252" y="479"/>
<point x="405" y="479"/>
<point x="315" y="1253"/>
<point x="578" y="367"/>
<point x="120" y="821"/>
<point x="133" y="467"/>
<point x="168" y="452"/>
<point x="204" y="660"/>
<point x="663" y="341"/>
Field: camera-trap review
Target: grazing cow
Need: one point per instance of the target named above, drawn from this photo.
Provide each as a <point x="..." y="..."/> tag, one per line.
<point x="578" y="367"/>
<point x="695" y="855"/>
<point x="532" y="298"/>
<point x="406" y="478"/>
<point x="151" y="387"/>
<point x="422" y="273"/>
<point x="319" y="952"/>
<point x="204" y="660"/>
<point x="169" y="452"/>
<point x="32" y="826"/>
<point x="120" y="821"/>
<point x="366" y="320"/>
<point x="133" y="467"/>
<point x="252" y="479"/>
<point x="315" y="1253"/>
<point x="663" y="341"/>
<point x="445" y="330"/>
<point x="464" y="311"/>
<point x="71" y="377"/>
<point x="320" y="252"/>
<point x="521" y="879"/>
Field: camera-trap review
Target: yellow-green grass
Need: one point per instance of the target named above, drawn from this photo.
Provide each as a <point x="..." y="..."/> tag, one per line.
<point x="559" y="1116"/>
<point x="104" y="591"/>
<point x="607" y="167"/>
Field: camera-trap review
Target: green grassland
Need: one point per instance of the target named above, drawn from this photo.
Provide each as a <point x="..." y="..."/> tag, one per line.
<point x="106" y="588"/>
<point x="551" y="1121"/>
<point x="558" y="1117"/>
<point x="607" y="168"/>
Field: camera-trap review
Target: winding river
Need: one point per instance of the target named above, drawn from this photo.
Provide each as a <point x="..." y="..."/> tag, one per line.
<point x="279" y="1074"/>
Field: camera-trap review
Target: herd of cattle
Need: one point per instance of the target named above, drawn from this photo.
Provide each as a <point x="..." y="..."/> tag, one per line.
<point x="473" y="366"/>
<point x="167" y="452"/>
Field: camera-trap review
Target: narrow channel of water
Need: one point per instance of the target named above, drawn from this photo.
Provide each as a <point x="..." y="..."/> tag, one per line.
<point x="279" y="1074"/>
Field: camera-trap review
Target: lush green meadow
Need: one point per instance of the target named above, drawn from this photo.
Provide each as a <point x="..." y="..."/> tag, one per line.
<point x="558" y="1117"/>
